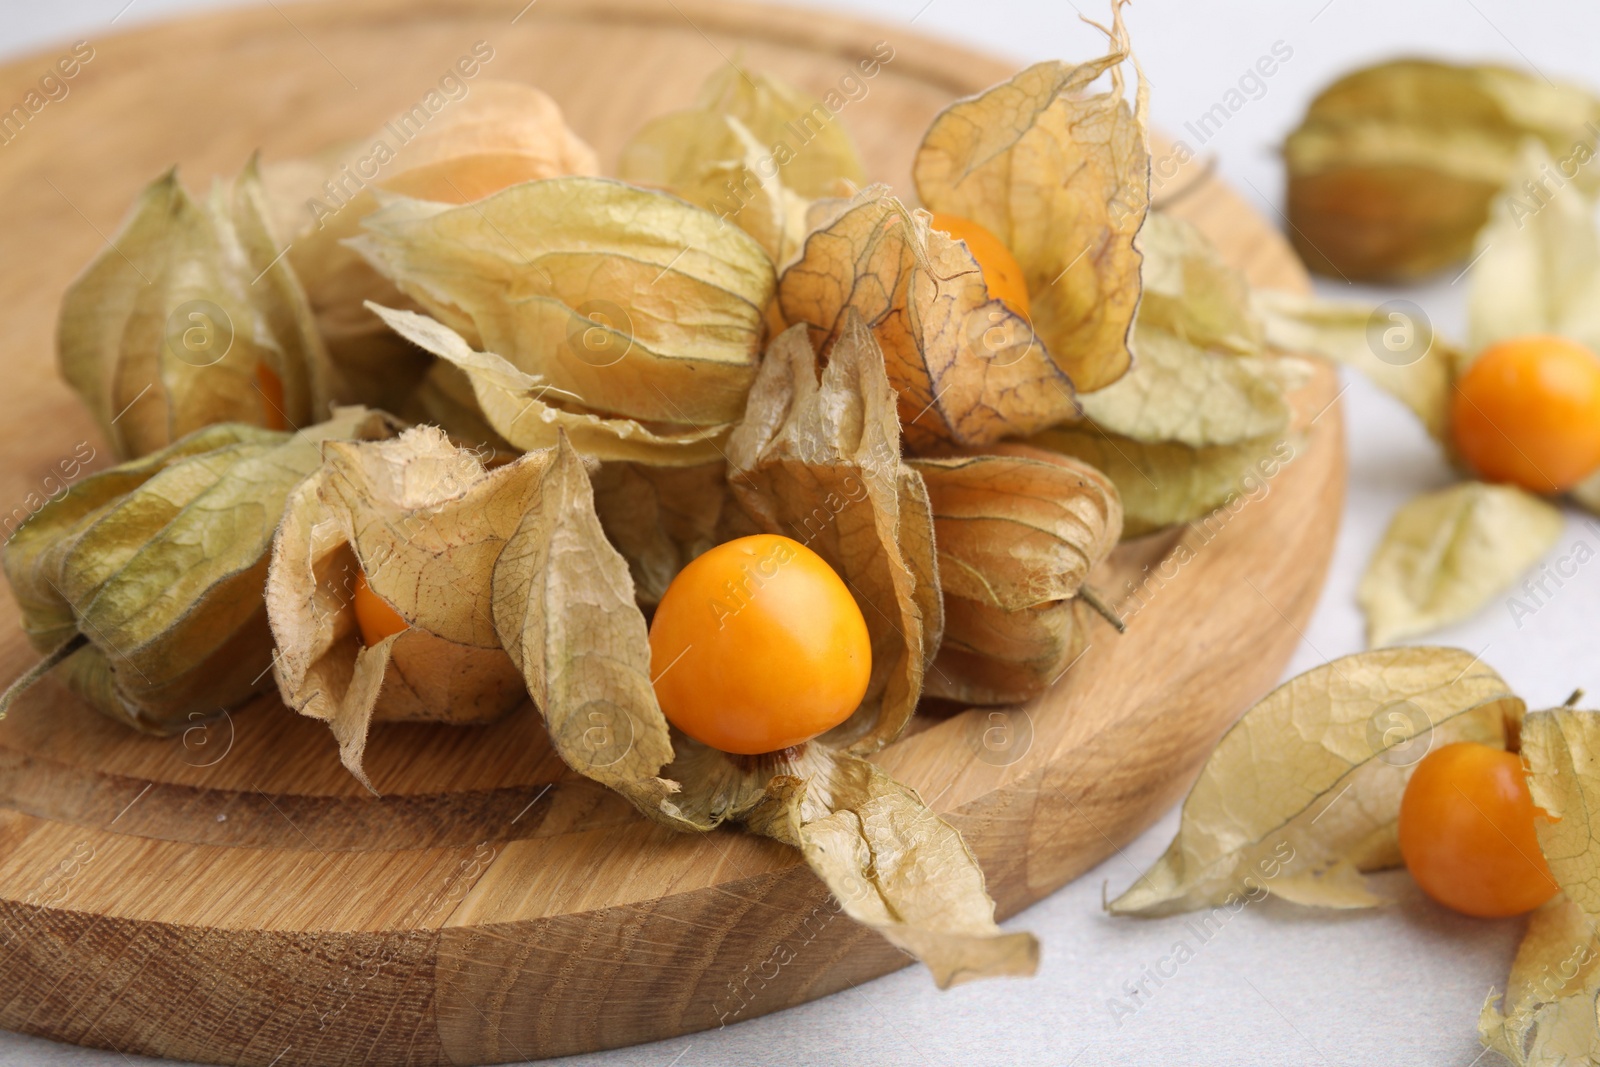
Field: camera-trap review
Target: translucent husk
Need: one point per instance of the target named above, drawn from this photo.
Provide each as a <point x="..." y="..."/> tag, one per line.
<point x="1303" y="793"/>
<point x="730" y="154"/>
<point x="1392" y="171"/>
<point x="500" y="134"/>
<point x="1062" y="177"/>
<point x="176" y="324"/>
<point x="159" y="563"/>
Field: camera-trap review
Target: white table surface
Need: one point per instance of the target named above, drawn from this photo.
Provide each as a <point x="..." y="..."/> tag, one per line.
<point x="1277" y="985"/>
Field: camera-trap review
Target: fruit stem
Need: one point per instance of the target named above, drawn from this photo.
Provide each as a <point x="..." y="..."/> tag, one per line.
<point x="39" y="670"/>
<point x="1572" y="701"/>
<point x="1092" y="598"/>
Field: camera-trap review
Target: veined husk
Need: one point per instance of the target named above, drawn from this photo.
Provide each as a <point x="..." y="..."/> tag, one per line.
<point x="153" y="366"/>
<point x="565" y="605"/>
<point x="425" y="522"/>
<point x="500" y="134"/>
<point x="159" y="564"/>
<point x="1303" y="793"/>
<point x="1018" y="533"/>
<point x="1548" y="1017"/>
<point x="966" y="369"/>
<point x="1062" y="177"/>
<point x="529" y="414"/>
<point x="637" y="303"/>
<point x="1203" y="418"/>
<point x="1392" y="171"/>
<point x="1448" y="553"/>
<point x="661" y="518"/>
<point x="717" y="154"/>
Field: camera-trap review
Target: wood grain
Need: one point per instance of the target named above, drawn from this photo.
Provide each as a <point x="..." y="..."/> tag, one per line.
<point x="232" y="895"/>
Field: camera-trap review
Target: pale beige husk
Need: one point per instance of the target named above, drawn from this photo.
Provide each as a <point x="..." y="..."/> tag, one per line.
<point x="1061" y="176"/>
<point x="159" y="565"/>
<point x="1448" y="554"/>
<point x="164" y="331"/>
<point x="730" y="154"/>
<point x="500" y="134"/>
<point x="528" y="413"/>
<point x="1548" y="1015"/>
<point x="1304" y="791"/>
<point x="637" y="303"/>
<point x="425" y="522"/>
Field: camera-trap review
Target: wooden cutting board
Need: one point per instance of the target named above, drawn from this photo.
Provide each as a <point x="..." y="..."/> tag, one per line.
<point x="232" y="895"/>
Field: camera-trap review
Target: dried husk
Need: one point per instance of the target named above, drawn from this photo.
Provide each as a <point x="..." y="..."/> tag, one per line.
<point x="1201" y="377"/>
<point x="966" y="369"/>
<point x="526" y="412"/>
<point x="661" y="518"/>
<point x="1166" y="483"/>
<point x="500" y="134"/>
<point x="150" y="362"/>
<point x="159" y="565"/>
<point x="1448" y="553"/>
<point x="1392" y="171"/>
<point x="1549" y="1009"/>
<point x="566" y="605"/>
<point x="638" y="303"/>
<point x="1062" y="177"/>
<point x="426" y="523"/>
<point x="1538" y="266"/>
<point x="819" y="461"/>
<point x="1303" y="792"/>
<point x="718" y="153"/>
<point x="1419" y="369"/>
<point x="1017" y="535"/>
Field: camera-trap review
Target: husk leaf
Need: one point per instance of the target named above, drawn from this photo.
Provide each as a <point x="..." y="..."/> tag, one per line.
<point x="564" y="609"/>
<point x="716" y="155"/>
<point x="425" y="523"/>
<point x="1017" y="534"/>
<point x="1549" y="1008"/>
<point x="160" y="564"/>
<point x="1200" y="377"/>
<point x="528" y="413"/>
<point x="1392" y="171"/>
<point x="661" y="518"/>
<point x="1448" y="553"/>
<point x="1538" y="266"/>
<point x="1294" y="796"/>
<point x="1165" y="483"/>
<point x="819" y="461"/>
<point x="151" y="365"/>
<point x="1561" y="750"/>
<point x="643" y="305"/>
<point x="500" y="134"/>
<point x="966" y="369"/>
<point x="1062" y="177"/>
<point x="1347" y="334"/>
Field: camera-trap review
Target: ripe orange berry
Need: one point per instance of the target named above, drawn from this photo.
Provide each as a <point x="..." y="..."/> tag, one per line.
<point x="374" y="617"/>
<point x="1466" y="832"/>
<point x="758" y="645"/>
<point x="1528" y="412"/>
<point x="1001" y="271"/>
<point x="271" y="388"/>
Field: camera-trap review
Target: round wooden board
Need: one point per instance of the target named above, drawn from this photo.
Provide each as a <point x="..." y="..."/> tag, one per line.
<point x="234" y="896"/>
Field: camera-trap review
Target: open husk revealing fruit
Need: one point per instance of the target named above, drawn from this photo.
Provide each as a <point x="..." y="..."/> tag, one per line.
<point x="418" y="524"/>
<point x="816" y="458"/>
<point x="500" y="134"/>
<point x="148" y="576"/>
<point x="191" y="318"/>
<point x="1018" y="532"/>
